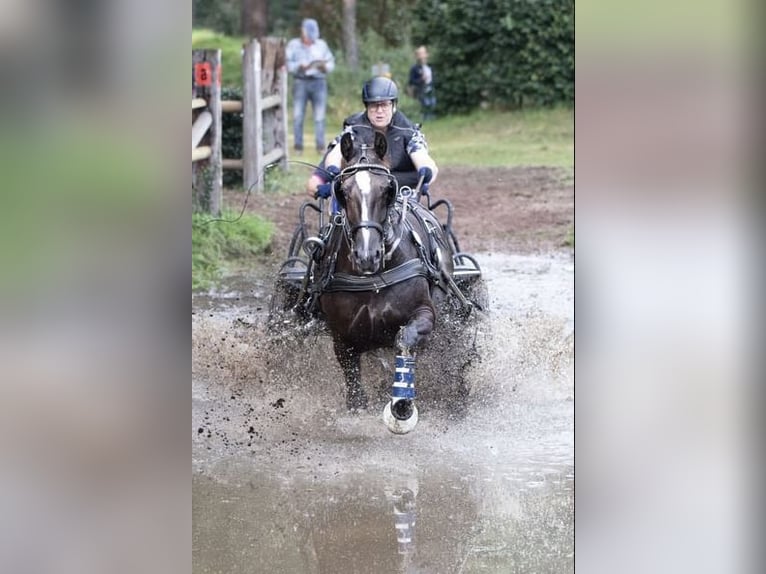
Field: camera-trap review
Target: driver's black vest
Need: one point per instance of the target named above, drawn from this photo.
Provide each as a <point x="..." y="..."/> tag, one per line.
<point x="400" y="132"/>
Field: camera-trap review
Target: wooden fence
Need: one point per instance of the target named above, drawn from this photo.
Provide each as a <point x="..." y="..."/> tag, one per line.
<point x="264" y="118"/>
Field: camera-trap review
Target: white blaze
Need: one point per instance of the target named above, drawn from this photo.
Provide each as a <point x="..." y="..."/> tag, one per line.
<point x="365" y="185"/>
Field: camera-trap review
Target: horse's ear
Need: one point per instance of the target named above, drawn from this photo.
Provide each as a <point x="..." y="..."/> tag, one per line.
<point x="347" y="146"/>
<point x="381" y="145"/>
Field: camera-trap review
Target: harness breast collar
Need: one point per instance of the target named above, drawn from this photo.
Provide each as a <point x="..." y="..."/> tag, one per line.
<point x="392" y="235"/>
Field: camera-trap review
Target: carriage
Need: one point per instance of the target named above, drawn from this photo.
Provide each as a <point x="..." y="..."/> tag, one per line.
<point x="381" y="270"/>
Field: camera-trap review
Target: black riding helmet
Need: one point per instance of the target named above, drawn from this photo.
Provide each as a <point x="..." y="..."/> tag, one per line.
<point x="380" y="89"/>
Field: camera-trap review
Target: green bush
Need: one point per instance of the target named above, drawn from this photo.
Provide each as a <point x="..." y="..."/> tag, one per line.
<point x="220" y="15"/>
<point x="504" y="53"/>
<point x="217" y="244"/>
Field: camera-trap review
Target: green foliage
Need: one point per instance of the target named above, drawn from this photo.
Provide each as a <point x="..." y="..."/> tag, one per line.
<point x="504" y="53"/>
<point x="389" y="19"/>
<point x="499" y="53"/>
<point x="217" y="244"/>
<point x="220" y="15"/>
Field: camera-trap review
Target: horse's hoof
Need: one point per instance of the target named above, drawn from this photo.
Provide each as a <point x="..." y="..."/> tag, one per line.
<point x="400" y="416"/>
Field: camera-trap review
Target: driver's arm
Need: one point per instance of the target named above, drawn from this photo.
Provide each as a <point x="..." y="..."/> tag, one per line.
<point x="421" y="158"/>
<point x="333" y="157"/>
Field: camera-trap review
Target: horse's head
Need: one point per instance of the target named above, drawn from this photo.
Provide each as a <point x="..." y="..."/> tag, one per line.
<point x="366" y="192"/>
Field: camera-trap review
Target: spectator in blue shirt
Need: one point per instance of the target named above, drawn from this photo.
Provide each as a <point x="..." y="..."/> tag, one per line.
<point x="309" y="60"/>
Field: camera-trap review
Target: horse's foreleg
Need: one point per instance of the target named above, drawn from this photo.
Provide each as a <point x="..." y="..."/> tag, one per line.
<point x="350" y="363"/>
<point x="415" y="333"/>
<point x="401" y="414"/>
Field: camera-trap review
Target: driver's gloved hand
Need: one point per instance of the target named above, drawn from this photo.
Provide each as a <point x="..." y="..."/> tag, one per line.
<point x="426" y="174"/>
<point x="324" y="190"/>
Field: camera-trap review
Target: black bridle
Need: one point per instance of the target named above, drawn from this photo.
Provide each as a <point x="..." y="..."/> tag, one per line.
<point x="377" y="169"/>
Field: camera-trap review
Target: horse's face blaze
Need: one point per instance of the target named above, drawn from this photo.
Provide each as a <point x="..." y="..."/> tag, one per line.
<point x="367" y="196"/>
<point x="366" y="193"/>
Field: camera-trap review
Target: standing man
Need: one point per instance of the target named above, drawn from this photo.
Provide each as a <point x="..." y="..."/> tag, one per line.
<point x="309" y="60"/>
<point x="421" y="84"/>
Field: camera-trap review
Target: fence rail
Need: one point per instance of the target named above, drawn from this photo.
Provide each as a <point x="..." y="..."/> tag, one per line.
<point x="264" y="118"/>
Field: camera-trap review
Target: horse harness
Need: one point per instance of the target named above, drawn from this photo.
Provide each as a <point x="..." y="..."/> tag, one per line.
<point x="429" y="264"/>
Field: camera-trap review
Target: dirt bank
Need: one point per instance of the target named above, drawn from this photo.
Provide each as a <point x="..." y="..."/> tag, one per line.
<point x="523" y="210"/>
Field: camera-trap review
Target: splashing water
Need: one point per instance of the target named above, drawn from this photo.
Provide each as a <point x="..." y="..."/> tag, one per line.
<point x="269" y="412"/>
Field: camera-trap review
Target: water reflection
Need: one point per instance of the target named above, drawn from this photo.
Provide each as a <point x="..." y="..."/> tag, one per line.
<point x="438" y="520"/>
<point x="404" y="507"/>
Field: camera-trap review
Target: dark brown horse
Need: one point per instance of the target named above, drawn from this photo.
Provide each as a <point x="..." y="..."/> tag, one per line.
<point x="384" y="273"/>
<point x="387" y="279"/>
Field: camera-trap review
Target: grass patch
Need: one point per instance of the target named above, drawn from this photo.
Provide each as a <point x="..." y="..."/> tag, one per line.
<point x="218" y="245"/>
<point x="278" y="181"/>
<point x="493" y="138"/>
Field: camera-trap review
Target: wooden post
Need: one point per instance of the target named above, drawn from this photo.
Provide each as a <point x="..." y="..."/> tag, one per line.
<point x="282" y="134"/>
<point x="274" y="85"/>
<point x="206" y="83"/>
<point x="252" y="140"/>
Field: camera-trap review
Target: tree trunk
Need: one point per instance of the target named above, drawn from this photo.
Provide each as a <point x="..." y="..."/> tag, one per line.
<point x="255" y="18"/>
<point x="349" y="34"/>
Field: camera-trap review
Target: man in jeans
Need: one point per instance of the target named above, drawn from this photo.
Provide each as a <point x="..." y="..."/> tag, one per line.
<point x="309" y="60"/>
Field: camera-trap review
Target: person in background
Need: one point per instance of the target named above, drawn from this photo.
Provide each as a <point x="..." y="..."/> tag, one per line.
<point x="309" y="60"/>
<point x="407" y="146"/>
<point x="421" y="84"/>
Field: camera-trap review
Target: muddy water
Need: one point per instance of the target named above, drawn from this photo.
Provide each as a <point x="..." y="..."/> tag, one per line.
<point x="284" y="480"/>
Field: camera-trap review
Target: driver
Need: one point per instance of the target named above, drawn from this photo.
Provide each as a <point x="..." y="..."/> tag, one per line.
<point x="407" y="147"/>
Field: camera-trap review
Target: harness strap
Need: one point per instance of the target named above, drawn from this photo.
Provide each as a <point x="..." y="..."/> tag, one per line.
<point x="354" y="283"/>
